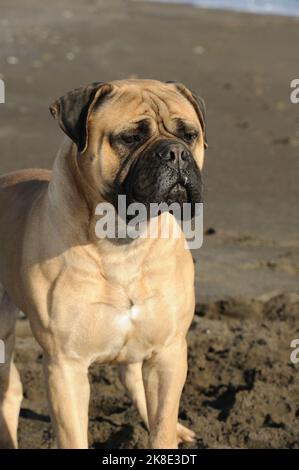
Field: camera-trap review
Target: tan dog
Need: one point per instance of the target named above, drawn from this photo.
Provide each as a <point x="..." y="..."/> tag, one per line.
<point x="103" y="300"/>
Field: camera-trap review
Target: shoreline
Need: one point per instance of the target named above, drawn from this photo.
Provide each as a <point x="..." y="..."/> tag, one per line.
<point x="222" y="9"/>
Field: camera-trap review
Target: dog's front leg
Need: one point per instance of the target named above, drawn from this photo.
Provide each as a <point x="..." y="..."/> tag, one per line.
<point x="164" y="376"/>
<point x="68" y="393"/>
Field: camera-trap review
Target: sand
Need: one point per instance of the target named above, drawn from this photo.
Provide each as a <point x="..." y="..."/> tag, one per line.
<point x="242" y="389"/>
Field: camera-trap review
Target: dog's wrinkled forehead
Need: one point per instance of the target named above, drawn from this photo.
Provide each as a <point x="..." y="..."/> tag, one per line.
<point x="157" y="102"/>
<point x="117" y="103"/>
<point x="131" y="100"/>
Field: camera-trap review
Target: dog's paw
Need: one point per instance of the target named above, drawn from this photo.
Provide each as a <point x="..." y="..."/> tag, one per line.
<point x="185" y="434"/>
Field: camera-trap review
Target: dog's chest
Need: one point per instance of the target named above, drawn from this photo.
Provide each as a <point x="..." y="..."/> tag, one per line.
<point x="128" y="318"/>
<point x="134" y="333"/>
<point x="137" y="331"/>
<point x="124" y="313"/>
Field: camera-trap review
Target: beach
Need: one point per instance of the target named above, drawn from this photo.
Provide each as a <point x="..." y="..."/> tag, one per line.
<point x="242" y="388"/>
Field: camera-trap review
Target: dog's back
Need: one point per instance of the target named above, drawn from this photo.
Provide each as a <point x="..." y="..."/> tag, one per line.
<point x="18" y="190"/>
<point x="16" y="178"/>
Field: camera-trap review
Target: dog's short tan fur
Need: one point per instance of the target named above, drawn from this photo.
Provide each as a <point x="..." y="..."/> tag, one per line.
<point x="93" y="300"/>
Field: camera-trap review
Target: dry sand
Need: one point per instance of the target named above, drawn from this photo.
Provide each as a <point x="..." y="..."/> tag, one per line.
<point x="242" y="390"/>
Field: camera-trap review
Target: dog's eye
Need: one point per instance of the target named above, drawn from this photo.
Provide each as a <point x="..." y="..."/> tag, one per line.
<point x="190" y="137"/>
<point x="131" y="138"/>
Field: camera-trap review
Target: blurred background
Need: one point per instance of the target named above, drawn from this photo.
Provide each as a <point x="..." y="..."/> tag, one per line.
<point x="247" y="271"/>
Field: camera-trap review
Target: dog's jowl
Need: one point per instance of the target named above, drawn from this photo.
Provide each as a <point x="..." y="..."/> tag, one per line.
<point x="127" y="301"/>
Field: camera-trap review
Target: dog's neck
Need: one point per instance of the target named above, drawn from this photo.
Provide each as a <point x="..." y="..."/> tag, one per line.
<point x="72" y="200"/>
<point x="69" y="200"/>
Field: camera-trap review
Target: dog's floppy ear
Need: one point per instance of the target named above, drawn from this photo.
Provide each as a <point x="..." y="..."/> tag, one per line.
<point x="72" y="111"/>
<point x="198" y="104"/>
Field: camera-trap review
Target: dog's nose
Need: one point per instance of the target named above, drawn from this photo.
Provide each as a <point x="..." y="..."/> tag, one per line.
<point x="175" y="155"/>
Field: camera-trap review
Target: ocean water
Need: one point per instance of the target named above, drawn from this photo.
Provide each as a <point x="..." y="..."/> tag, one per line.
<point x="269" y="7"/>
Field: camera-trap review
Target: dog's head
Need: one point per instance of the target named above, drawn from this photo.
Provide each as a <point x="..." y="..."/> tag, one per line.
<point x="141" y="138"/>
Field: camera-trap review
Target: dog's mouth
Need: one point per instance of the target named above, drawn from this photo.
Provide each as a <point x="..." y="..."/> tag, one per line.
<point x="157" y="197"/>
<point x="158" y="190"/>
<point x="178" y="193"/>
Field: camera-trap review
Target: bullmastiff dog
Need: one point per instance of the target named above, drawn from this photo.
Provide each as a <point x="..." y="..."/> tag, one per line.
<point x="90" y="300"/>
